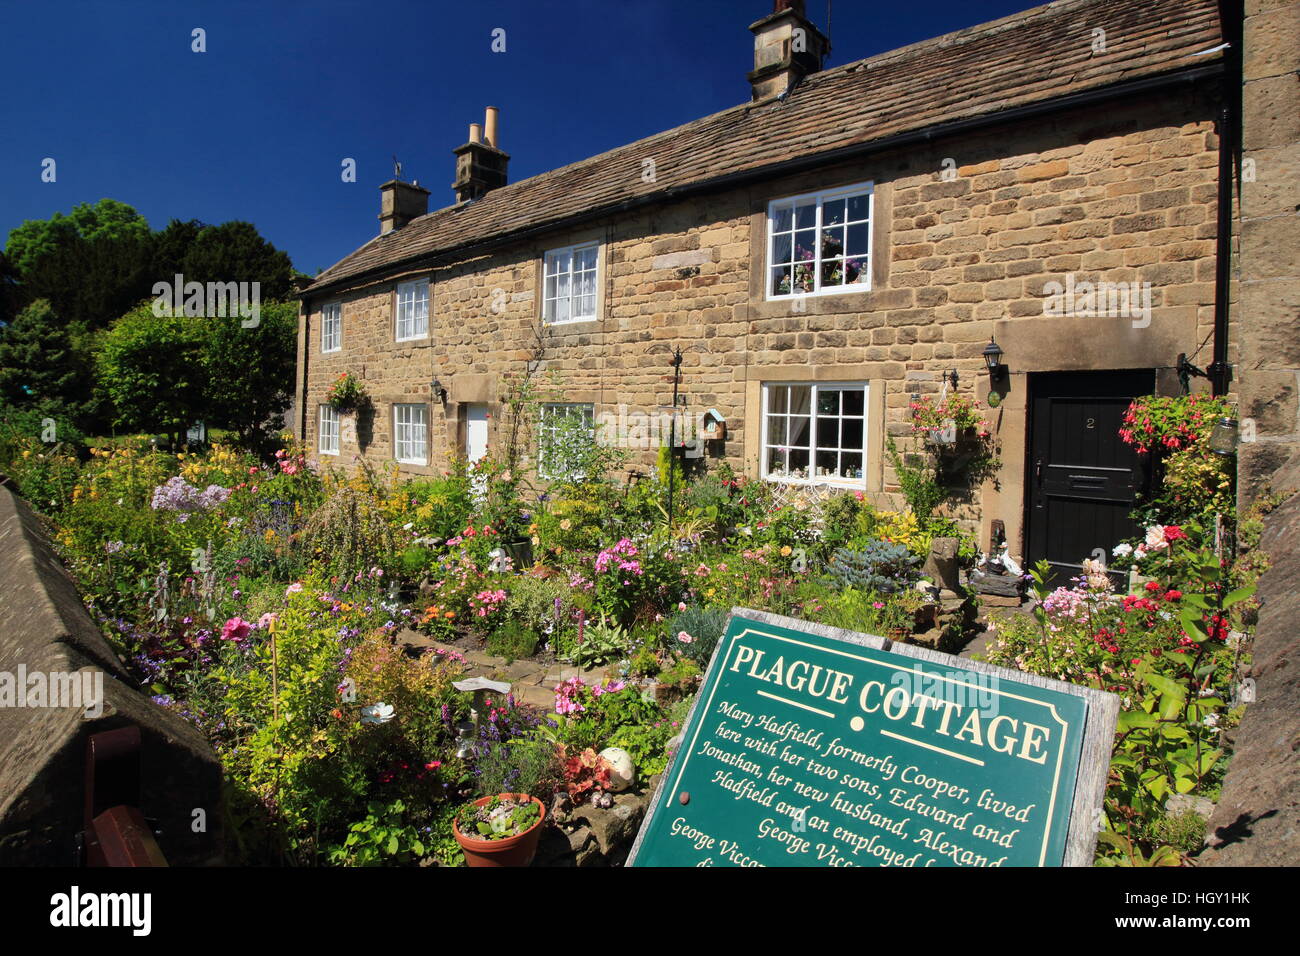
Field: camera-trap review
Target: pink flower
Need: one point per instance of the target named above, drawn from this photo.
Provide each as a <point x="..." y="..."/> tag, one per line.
<point x="236" y="629"/>
<point x="293" y="588"/>
<point x="685" y="638"/>
<point x="266" y="620"/>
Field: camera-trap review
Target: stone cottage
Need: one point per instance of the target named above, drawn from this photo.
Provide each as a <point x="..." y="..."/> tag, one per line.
<point x="1027" y="208"/>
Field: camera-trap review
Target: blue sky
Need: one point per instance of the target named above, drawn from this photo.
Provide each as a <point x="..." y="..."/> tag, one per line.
<point x="256" y="127"/>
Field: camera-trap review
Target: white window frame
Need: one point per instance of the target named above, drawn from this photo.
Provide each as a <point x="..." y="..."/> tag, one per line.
<point x="813" y="444"/>
<point x="543" y="429"/>
<point x="327" y="428"/>
<point x="548" y="302"/>
<point x="410" y="444"/>
<point x="412" y="297"/>
<point x="820" y="198"/>
<point x="331" y="327"/>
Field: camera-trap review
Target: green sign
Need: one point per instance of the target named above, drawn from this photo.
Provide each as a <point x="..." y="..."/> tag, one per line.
<point x="809" y="746"/>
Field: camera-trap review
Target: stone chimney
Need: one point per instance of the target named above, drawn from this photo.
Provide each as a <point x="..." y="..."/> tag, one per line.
<point x="480" y="164"/>
<point x="787" y="47"/>
<point x="399" y="203"/>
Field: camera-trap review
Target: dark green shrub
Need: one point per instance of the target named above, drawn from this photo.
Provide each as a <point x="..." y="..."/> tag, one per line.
<point x="703" y="625"/>
<point x="512" y="641"/>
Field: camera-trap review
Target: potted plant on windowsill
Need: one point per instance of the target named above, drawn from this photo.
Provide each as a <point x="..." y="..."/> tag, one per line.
<point x="500" y="830"/>
<point x="347" y="394"/>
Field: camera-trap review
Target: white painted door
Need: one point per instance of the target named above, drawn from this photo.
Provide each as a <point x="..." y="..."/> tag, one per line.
<point x="476" y="432"/>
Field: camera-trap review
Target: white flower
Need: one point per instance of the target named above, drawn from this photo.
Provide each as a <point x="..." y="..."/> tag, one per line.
<point x="408" y="526"/>
<point x="1122" y="550"/>
<point x="1156" y="538"/>
<point x="1139" y="553"/>
<point x="379" y="713"/>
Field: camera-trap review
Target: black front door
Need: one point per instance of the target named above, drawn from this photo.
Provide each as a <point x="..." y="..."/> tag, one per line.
<point x="1083" y="480"/>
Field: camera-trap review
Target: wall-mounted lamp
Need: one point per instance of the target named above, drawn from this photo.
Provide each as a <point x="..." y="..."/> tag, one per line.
<point x="950" y="377"/>
<point x="439" y="392"/>
<point x="993" y="357"/>
<point x="1223" y="437"/>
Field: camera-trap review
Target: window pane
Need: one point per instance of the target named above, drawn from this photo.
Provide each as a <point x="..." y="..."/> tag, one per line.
<point x="781" y="280"/>
<point x="778" y="398"/>
<point x="828" y="464"/>
<point x="800" y="399"/>
<point x="586" y="259"/>
<point x="858" y="237"/>
<point x="776" y="458"/>
<point x="805" y="216"/>
<point x="798" y="462"/>
<point x="828" y="400"/>
<point x="859" y="206"/>
<point x="804" y="278"/>
<point x="853" y="399"/>
<point x="776" y="430"/>
<point x="851" y="433"/>
<point x="805" y="244"/>
<point x="851" y="464"/>
<point x="856" y="271"/>
<point x="781" y="248"/>
<point x="832" y="242"/>
<point x="828" y="432"/>
<point x="799" y="431"/>
<point x="832" y="211"/>
<point x="782" y="217"/>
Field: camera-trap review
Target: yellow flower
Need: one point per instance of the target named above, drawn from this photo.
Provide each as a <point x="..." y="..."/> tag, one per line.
<point x="786" y="551"/>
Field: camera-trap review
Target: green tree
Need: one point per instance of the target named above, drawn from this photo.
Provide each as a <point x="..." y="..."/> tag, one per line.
<point x="38" y="365"/>
<point x="250" y="372"/>
<point x="153" y="371"/>
<point x="106" y="219"/>
<point x="236" y="252"/>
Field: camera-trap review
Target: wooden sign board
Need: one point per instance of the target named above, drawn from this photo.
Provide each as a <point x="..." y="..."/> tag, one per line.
<point x="813" y="746"/>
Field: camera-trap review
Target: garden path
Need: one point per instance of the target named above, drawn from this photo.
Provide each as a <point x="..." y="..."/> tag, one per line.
<point x="532" y="683"/>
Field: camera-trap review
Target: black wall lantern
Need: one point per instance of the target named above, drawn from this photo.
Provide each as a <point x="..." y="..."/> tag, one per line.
<point x="993" y="357"/>
<point x="439" y="392"/>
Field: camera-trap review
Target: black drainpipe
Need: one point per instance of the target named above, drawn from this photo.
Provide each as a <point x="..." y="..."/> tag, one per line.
<point x="1230" y="18"/>
<point x="306" y="364"/>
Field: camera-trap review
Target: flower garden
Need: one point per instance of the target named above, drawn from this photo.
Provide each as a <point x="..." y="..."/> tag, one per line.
<point x="313" y="622"/>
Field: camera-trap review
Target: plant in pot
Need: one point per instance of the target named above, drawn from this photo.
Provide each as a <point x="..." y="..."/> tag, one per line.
<point x="500" y="830"/>
<point x="347" y="394"/>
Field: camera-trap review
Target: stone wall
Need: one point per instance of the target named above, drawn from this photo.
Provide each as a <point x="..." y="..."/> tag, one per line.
<point x="1257" y="819"/>
<point x="45" y="630"/>
<point x="1119" y="192"/>
<point x="1267" y="322"/>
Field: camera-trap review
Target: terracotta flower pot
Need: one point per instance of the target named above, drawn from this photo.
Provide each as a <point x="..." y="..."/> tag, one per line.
<point x="517" y="850"/>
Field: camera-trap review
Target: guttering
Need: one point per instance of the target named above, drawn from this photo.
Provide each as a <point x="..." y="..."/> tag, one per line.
<point x="1184" y="76"/>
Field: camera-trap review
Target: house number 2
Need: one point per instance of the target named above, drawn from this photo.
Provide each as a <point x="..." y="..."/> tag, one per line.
<point x="1092" y="423"/>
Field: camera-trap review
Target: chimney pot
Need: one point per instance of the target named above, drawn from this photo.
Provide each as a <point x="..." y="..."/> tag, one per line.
<point x="480" y="164"/>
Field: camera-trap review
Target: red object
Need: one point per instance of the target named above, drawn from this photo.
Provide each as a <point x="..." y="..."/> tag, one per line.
<point x="517" y="850"/>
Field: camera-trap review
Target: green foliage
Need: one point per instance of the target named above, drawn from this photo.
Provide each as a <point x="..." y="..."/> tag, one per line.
<point x="499" y="818"/>
<point x="918" y="478"/>
<point x="248" y="372"/>
<point x="512" y="640"/>
<point x="39" y="369"/>
<point x="383" y="838"/>
<point x="645" y="744"/>
<point x="603" y="641"/>
<point x="703" y="626"/>
<point x="349" y="533"/>
<point x="152" y="370"/>
<point x="521" y="765"/>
